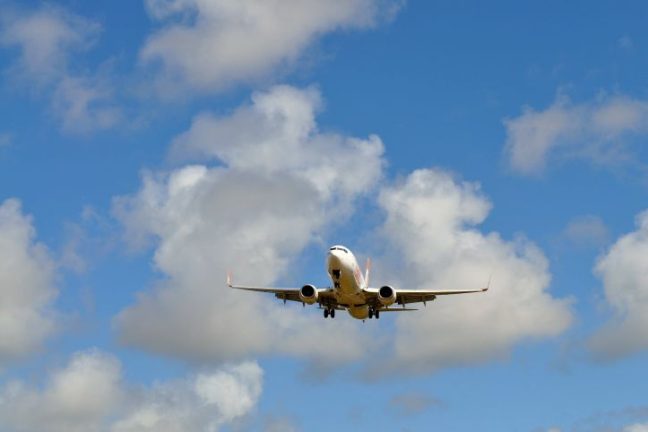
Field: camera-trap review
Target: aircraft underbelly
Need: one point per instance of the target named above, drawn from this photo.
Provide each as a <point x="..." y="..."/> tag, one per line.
<point x="347" y="279"/>
<point x="347" y="289"/>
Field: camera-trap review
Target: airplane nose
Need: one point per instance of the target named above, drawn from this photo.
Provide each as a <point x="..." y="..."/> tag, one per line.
<point x="333" y="260"/>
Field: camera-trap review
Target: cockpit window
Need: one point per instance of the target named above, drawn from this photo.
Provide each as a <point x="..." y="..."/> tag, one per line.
<point x="340" y="249"/>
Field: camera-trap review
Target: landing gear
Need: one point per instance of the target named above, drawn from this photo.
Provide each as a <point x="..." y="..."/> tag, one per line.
<point x="332" y="313"/>
<point x="336" y="273"/>
<point x="329" y="312"/>
<point x="377" y="313"/>
<point x="326" y="313"/>
<point x="370" y="313"/>
<point x="374" y="312"/>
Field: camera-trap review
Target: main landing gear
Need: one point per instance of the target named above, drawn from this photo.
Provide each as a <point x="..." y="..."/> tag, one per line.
<point x="374" y="312"/>
<point x="329" y="312"/>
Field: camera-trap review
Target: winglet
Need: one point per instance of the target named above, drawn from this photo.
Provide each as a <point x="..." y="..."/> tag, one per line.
<point x="229" y="279"/>
<point x="489" y="282"/>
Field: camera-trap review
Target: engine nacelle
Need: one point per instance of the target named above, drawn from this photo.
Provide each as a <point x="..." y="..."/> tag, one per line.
<point x="308" y="294"/>
<point x="387" y="295"/>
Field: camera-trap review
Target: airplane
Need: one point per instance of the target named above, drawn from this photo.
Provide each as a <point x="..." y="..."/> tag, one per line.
<point x="351" y="291"/>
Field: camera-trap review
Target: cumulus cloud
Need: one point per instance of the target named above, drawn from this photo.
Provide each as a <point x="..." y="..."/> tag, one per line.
<point x="89" y="394"/>
<point x="279" y="182"/>
<point x="431" y="231"/>
<point x="624" y="272"/>
<point x="26" y="285"/>
<point x="208" y="45"/>
<point x="47" y="39"/>
<point x="76" y="398"/>
<point x="204" y="402"/>
<point x="598" y="130"/>
<point x="278" y="134"/>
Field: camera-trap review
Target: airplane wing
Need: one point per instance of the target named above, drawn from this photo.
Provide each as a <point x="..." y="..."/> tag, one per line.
<point x="288" y="294"/>
<point x="404" y="297"/>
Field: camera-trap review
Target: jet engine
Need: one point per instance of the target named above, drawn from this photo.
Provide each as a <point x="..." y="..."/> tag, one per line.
<point x="387" y="295"/>
<point x="308" y="294"/>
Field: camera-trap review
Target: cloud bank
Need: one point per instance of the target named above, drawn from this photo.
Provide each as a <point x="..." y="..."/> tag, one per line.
<point x="89" y="394"/>
<point x="278" y="184"/>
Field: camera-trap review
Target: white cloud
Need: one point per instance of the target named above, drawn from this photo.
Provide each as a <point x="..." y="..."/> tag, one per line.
<point x="210" y="44"/>
<point x="89" y="394"/>
<point x="278" y="134"/>
<point x="624" y="271"/>
<point x="430" y="230"/>
<point x="76" y="398"/>
<point x="26" y="286"/>
<point x="281" y="184"/>
<point x="46" y="38"/>
<point x="200" y="403"/>
<point x="598" y="131"/>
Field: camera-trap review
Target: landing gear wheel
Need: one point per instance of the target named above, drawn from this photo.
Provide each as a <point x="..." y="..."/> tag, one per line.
<point x="326" y="313"/>
<point x="370" y="313"/>
<point x="377" y="313"/>
<point x="332" y="313"/>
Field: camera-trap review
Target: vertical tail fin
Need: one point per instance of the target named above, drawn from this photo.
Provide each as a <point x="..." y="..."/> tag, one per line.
<point x="367" y="270"/>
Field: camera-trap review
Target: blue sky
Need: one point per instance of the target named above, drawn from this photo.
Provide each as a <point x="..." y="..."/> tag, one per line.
<point x="147" y="147"/>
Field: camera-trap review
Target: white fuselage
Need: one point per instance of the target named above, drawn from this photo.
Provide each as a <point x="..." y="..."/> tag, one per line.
<point x="348" y="281"/>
